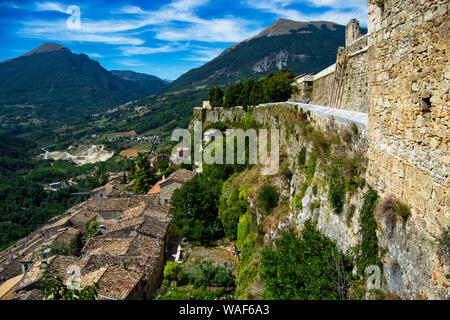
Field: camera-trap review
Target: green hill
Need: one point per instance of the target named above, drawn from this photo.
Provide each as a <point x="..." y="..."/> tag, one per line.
<point x="63" y="84"/>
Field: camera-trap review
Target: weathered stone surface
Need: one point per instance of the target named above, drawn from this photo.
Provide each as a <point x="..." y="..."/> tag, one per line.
<point x="408" y="124"/>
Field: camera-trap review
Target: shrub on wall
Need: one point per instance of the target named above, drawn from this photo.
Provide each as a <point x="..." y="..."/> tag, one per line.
<point x="301" y="157"/>
<point x="268" y="198"/>
<point x="310" y="168"/>
<point x="368" y="248"/>
<point x="336" y="190"/>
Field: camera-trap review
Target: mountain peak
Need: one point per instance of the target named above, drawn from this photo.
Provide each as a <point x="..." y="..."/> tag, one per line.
<point x="284" y="26"/>
<point x="46" y="47"/>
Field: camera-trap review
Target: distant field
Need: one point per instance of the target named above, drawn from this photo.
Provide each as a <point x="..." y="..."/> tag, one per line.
<point x="13" y="106"/>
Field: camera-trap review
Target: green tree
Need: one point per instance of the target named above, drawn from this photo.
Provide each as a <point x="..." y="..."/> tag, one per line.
<point x="195" y="210"/>
<point x="307" y="268"/>
<point x="145" y="176"/>
<point x="124" y="179"/>
<point x="277" y="87"/>
<point x="216" y="96"/>
<point x="230" y="210"/>
<point x="268" y="198"/>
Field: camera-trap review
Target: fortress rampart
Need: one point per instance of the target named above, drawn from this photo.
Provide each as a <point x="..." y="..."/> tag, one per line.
<point x="399" y="76"/>
<point x="408" y="132"/>
<point x="343" y="85"/>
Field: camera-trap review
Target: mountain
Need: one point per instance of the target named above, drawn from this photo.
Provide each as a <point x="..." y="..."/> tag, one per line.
<point x="64" y="84"/>
<point x="143" y="82"/>
<point x="301" y="47"/>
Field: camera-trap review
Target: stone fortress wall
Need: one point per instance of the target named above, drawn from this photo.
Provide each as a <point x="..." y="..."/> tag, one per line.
<point x="408" y="132"/>
<point x="342" y="85"/>
<point x="399" y="75"/>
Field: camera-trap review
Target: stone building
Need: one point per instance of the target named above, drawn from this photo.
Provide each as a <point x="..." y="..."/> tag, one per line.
<point x="165" y="188"/>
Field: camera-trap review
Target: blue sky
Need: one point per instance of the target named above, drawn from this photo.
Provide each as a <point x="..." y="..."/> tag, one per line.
<point x="165" y="38"/>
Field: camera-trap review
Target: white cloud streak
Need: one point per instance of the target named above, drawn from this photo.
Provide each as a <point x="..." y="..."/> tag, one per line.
<point x="50" y="6"/>
<point x="339" y="11"/>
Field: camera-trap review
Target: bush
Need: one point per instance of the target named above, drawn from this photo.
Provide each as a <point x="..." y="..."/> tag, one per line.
<point x="368" y="248"/>
<point x="315" y="204"/>
<point x="310" y="168"/>
<point x="287" y="173"/>
<point x="171" y="270"/>
<point x="230" y="210"/>
<point x="402" y="210"/>
<point x="336" y="191"/>
<point x="268" y="198"/>
<point x="389" y="209"/>
<point x="297" y="202"/>
<point x="301" y="159"/>
<point x="307" y="268"/>
<point x="247" y="242"/>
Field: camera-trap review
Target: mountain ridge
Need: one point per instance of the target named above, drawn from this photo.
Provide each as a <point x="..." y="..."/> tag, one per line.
<point x="66" y="84"/>
<point x="301" y="47"/>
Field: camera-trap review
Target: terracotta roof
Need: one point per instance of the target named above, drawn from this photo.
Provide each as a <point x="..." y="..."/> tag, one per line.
<point x="123" y="224"/>
<point x="34" y="294"/>
<point x="156" y="188"/>
<point x="181" y="176"/>
<point x="116" y="283"/>
<point x="153" y="226"/>
<point x="83" y="218"/>
<point x="89" y="278"/>
<point x="106" y="245"/>
<point x="34" y="273"/>
<point x="133" y="212"/>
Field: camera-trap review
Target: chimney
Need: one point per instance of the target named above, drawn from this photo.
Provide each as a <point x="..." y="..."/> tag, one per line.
<point x="164" y="177"/>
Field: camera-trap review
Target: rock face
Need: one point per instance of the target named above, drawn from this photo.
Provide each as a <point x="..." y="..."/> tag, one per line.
<point x="409" y="136"/>
<point x="82" y="154"/>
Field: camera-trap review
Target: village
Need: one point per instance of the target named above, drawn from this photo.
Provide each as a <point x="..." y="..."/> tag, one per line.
<point x="116" y="239"/>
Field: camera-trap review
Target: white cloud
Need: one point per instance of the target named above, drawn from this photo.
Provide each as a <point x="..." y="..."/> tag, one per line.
<point x="216" y="30"/>
<point x="340" y="11"/>
<point x="94" y="55"/>
<point x="50" y="6"/>
<point x="131" y="51"/>
<point x="57" y="31"/>
<point x="131" y="63"/>
<point x="204" y="55"/>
